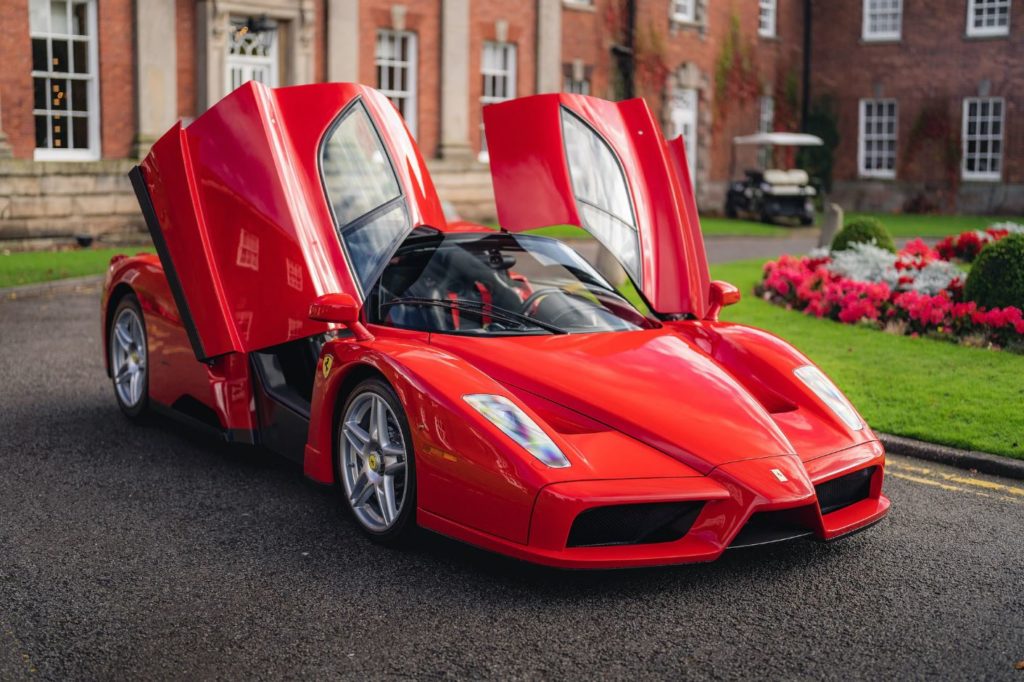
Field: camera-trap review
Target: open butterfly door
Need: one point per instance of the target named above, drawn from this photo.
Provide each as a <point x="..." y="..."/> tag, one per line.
<point x="606" y="167"/>
<point x="273" y="197"/>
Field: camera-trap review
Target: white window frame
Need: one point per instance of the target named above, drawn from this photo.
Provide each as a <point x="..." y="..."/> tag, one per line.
<point x="509" y="76"/>
<point x="242" y="66"/>
<point x="864" y="136"/>
<point x="91" y="79"/>
<point x="407" y="97"/>
<point x="986" y="137"/>
<point x="892" y="7"/>
<point x="974" y="30"/>
<point x="576" y="87"/>
<point x="767" y="18"/>
<point x="683" y="11"/>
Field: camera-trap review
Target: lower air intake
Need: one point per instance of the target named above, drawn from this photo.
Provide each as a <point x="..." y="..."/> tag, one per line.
<point x="633" y="524"/>
<point x="843" y="491"/>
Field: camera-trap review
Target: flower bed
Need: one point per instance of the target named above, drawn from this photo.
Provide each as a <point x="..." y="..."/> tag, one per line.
<point x="916" y="291"/>
<point x="967" y="245"/>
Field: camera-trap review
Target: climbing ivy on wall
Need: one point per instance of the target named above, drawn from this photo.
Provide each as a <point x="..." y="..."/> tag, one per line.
<point x="933" y="137"/>
<point x="823" y="121"/>
<point x="736" y="78"/>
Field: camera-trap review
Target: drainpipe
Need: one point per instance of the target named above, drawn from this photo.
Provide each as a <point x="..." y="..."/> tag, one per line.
<point x="805" y="97"/>
<point x="624" y="52"/>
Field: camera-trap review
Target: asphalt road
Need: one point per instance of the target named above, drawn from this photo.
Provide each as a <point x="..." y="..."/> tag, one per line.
<point x="147" y="552"/>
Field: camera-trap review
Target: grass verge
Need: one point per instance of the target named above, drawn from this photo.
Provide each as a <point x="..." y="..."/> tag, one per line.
<point x="44" y="266"/>
<point x="919" y="388"/>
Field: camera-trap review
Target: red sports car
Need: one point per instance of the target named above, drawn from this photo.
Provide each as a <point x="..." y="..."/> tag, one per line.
<point x="309" y="296"/>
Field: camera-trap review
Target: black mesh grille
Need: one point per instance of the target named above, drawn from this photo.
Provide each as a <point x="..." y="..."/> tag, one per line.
<point x="845" y="490"/>
<point x="633" y="524"/>
<point x="764" y="528"/>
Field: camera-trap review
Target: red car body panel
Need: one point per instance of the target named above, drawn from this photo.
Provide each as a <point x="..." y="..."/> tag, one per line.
<point x="693" y="411"/>
<point x="250" y="225"/>
<point x="534" y="164"/>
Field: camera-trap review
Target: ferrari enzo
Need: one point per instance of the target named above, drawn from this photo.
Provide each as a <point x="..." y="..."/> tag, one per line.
<point x="309" y="296"/>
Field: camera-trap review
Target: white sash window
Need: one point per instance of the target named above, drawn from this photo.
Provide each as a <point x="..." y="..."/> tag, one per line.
<point x="64" y="68"/>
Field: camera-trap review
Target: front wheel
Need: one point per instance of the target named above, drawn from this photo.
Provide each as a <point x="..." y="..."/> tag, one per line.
<point x="129" y="357"/>
<point x="375" y="464"/>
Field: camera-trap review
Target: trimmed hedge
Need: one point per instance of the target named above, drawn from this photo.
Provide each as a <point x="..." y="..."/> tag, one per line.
<point x="996" y="279"/>
<point x="863" y="230"/>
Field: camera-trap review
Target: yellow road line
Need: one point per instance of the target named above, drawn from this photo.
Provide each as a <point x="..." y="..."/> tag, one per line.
<point x="958" y="478"/>
<point x="951" y="488"/>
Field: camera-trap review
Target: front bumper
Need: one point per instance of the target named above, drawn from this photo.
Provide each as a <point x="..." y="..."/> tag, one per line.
<point x="732" y="495"/>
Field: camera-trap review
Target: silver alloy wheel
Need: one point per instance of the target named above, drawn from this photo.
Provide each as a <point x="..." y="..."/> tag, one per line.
<point x="373" y="461"/>
<point x="128" y="357"/>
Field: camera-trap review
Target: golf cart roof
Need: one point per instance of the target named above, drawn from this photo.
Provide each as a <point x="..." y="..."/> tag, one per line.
<point x="780" y="139"/>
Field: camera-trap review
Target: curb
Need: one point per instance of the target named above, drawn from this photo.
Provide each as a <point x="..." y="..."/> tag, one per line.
<point x="52" y="287"/>
<point x="981" y="462"/>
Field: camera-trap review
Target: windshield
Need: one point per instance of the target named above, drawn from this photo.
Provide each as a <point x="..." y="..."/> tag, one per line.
<point x="497" y="283"/>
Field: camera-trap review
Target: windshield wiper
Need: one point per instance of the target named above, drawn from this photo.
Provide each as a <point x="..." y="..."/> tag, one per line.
<point x="476" y="307"/>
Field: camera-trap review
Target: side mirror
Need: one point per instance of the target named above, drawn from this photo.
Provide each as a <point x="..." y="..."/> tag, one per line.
<point x="721" y="295"/>
<point x="339" y="309"/>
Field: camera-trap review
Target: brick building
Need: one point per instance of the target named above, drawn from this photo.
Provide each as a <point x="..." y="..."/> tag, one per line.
<point x="927" y="99"/>
<point x="89" y="84"/>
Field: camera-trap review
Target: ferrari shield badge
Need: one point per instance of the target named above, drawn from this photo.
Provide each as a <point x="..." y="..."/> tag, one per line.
<point x="327" y="364"/>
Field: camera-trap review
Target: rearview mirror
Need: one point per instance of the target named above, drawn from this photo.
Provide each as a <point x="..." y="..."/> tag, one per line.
<point x="721" y="295"/>
<point x="339" y="309"/>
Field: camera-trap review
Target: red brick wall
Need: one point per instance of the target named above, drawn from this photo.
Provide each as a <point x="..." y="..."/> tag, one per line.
<point x="117" y="78"/>
<point x="588" y="34"/>
<point x="16" y="78"/>
<point x="934" y="61"/>
<point x="521" y="16"/>
<point x="185" y="35"/>
<point x="424" y="18"/>
<point x="586" y="37"/>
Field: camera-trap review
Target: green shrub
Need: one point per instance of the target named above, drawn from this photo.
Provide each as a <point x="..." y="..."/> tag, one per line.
<point x="996" y="279"/>
<point x="863" y="230"/>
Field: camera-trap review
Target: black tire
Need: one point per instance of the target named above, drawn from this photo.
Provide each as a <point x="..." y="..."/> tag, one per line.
<point x="404" y="529"/>
<point x="139" y="409"/>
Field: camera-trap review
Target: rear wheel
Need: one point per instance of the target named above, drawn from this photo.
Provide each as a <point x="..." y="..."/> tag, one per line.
<point x="129" y="357"/>
<point x="375" y="464"/>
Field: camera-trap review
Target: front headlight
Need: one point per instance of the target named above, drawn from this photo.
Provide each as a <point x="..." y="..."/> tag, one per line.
<point x="518" y="426"/>
<point x="830" y="395"/>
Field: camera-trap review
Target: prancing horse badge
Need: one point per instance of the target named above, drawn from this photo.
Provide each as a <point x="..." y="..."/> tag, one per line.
<point x="779" y="475"/>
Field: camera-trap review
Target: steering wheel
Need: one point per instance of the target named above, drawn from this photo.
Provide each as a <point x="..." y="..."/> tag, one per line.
<point x="534" y="298"/>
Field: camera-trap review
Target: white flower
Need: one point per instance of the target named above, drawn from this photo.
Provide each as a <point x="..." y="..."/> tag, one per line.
<point x="935" y="277"/>
<point x="1012" y="228"/>
<point x="865" y="262"/>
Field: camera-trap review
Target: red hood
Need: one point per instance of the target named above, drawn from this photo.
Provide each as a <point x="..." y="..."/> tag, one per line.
<point x="651" y="385"/>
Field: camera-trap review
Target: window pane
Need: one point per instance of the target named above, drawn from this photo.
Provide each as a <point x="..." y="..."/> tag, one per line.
<point x="81" y="58"/>
<point x="79" y="20"/>
<point x="59" y="132"/>
<point x="41" y="139"/>
<point x="40" y="61"/>
<point x="598" y="180"/>
<point x="59" y="17"/>
<point x="371" y="243"/>
<point x="39" y="93"/>
<point x="59" y="61"/>
<point x="356" y="170"/>
<point x="79" y="96"/>
<point x="80" y="132"/>
<point x="38" y="17"/>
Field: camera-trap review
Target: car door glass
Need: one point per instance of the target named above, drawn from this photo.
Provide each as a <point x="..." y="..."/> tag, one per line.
<point x="363" y="192"/>
<point x="600" y="188"/>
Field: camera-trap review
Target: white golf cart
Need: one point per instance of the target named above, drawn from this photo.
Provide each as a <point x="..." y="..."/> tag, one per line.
<point x="772" y="194"/>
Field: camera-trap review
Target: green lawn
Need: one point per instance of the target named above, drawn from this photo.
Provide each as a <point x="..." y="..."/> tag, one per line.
<point x="900" y="225"/>
<point x="43" y="266"/>
<point x="920" y="388"/>
<point x="908" y="225"/>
